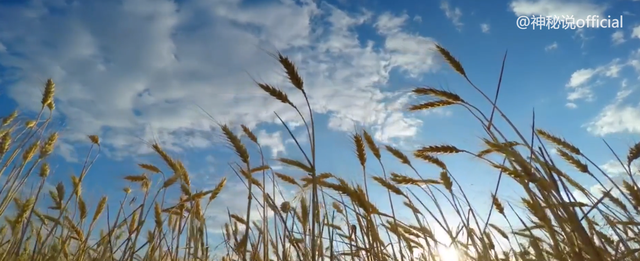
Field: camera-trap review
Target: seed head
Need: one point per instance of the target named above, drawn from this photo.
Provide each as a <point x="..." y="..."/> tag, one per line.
<point x="285" y="207"/>
<point x="47" y="96"/>
<point x="44" y="170"/>
<point x="47" y="148"/>
<point x="30" y="124"/>
<point x="10" y="118"/>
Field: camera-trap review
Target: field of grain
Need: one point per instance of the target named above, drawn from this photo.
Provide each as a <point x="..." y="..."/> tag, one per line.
<point x="333" y="219"/>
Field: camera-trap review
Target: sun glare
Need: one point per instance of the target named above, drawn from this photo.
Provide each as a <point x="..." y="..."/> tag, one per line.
<point x="448" y="253"/>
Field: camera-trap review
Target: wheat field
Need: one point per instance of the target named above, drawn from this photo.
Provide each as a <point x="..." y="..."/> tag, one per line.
<point x="333" y="219"/>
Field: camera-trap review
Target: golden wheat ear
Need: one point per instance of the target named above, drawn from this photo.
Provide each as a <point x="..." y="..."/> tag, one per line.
<point x="47" y="96"/>
<point x="8" y="119"/>
<point x="453" y="62"/>
<point x="444" y="95"/>
<point x="430" y="105"/>
<point x="634" y="154"/>
<point x="292" y="72"/>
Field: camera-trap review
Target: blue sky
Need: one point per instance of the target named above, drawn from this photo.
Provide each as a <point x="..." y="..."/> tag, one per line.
<point x="134" y="70"/>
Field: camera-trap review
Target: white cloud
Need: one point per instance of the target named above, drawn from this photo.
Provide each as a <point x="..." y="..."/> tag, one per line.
<point x="582" y="36"/>
<point x="614" y="168"/>
<point x="417" y="18"/>
<point x="617" y="117"/>
<point x="283" y="25"/>
<point x="552" y="46"/>
<point x="617" y="37"/>
<point x="578" y="89"/>
<point x="581" y="83"/>
<point x="273" y="141"/>
<point x="634" y="61"/>
<point x="485" y="27"/>
<point x="210" y="163"/>
<point x="302" y="137"/>
<point x="559" y="8"/>
<point x="582" y="93"/>
<point x="454" y="14"/>
<point x="397" y="126"/>
<point x="136" y="70"/>
<point x="596" y="191"/>
<point x="624" y="90"/>
<point x="410" y="53"/>
<point x="613" y="70"/>
<point x="618" y="174"/>
<point x="635" y="33"/>
<point x="2" y="48"/>
<point x="67" y="152"/>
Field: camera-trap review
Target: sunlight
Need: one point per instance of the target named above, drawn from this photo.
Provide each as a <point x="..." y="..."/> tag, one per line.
<point x="443" y="252"/>
<point x="448" y="253"/>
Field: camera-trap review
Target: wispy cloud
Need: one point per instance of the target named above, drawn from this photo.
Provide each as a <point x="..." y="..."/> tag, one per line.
<point x="619" y="116"/>
<point x="617" y="37"/>
<point x="552" y="46"/>
<point x="581" y="82"/>
<point x="635" y="32"/>
<point x="453" y="13"/>
<point x="579" y="9"/>
<point x="485" y="27"/>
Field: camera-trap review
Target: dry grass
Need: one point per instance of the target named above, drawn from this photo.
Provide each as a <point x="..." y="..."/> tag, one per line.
<point x="332" y="219"/>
